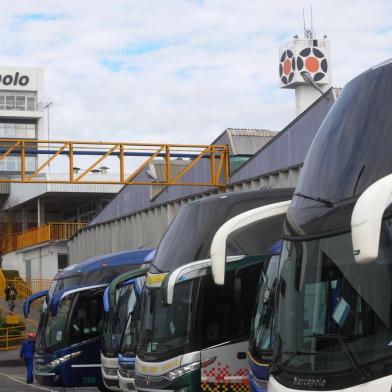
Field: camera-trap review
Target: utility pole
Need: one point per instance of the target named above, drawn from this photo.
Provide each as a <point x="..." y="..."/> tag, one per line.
<point x="47" y="107"/>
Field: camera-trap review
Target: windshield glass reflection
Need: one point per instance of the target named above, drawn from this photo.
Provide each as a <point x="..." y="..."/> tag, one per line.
<point x="116" y="320"/>
<point x="261" y="337"/>
<point x="167" y="328"/>
<point x="332" y="312"/>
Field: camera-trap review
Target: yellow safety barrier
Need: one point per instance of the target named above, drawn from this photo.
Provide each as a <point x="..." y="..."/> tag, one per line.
<point x="3" y="284"/>
<point x="29" y="287"/>
<point x="54" y="231"/>
<point x="12" y="337"/>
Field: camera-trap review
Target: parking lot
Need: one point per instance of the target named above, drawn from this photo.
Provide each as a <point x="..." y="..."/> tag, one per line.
<point x="12" y="376"/>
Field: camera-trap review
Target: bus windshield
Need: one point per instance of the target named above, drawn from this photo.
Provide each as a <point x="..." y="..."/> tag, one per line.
<point x="334" y="314"/>
<point x="116" y="320"/>
<point x="52" y="331"/>
<point x="61" y="284"/>
<point x="79" y="318"/>
<point x="202" y="315"/>
<point x="167" y="328"/>
<point x="261" y="338"/>
<point x="129" y="338"/>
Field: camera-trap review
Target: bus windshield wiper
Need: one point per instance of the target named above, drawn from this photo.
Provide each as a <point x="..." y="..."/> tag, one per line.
<point x="359" y="369"/>
<point x="327" y="202"/>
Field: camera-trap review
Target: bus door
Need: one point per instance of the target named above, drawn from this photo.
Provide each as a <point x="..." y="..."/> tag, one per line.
<point x="85" y="327"/>
<point x="225" y="316"/>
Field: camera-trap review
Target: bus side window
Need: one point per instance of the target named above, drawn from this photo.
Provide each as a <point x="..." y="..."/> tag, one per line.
<point x="87" y="318"/>
<point x="227" y="309"/>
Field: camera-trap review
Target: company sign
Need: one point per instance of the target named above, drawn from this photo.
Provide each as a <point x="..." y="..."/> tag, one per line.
<point x="15" y="79"/>
<point x="22" y="79"/>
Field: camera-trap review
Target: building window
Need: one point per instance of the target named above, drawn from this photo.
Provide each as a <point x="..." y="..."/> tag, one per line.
<point x="17" y="101"/>
<point x="62" y="261"/>
<point x="30" y="103"/>
<point x="17" y="130"/>
<point x="12" y="164"/>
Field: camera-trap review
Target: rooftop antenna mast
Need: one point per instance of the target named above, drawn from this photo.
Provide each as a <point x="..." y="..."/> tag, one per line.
<point x="311" y="20"/>
<point x="308" y="33"/>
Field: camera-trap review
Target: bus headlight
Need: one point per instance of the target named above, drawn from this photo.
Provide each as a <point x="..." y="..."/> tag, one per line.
<point x="65" y="358"/>
<point x="175" y="373"/>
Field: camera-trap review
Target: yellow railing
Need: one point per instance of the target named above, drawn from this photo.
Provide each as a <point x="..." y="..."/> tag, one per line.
<point x="50" y="232"/>
<point x="29" y="287"/>
<point x="12" y="337"/>
<point x="3" y="284"/>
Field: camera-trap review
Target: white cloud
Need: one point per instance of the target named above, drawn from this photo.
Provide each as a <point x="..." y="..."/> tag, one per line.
<point x="178" y="71"/>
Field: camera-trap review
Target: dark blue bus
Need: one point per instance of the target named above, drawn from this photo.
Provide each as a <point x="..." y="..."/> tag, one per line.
<point x="69" y="334"/>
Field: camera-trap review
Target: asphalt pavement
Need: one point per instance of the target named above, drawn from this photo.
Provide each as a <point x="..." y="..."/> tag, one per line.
<point x="13" y="376"/>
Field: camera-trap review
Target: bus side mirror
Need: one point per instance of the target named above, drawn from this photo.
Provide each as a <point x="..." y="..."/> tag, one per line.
<point x="178" y="275"/>
<point x="109" y="298"/>
<point x="366" y="219"/>
<point x="218" y="245"/>
<point x="27" y="303"/>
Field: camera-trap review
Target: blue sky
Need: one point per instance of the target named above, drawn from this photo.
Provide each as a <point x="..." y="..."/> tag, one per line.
<point x="179" y="70"/>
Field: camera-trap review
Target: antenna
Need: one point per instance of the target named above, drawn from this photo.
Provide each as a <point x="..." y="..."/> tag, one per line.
<point x="311" y="20"/>
<point x="308" y="33"/>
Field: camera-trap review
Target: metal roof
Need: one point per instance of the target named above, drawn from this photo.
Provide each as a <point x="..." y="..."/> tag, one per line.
<point x="248" y="141"/>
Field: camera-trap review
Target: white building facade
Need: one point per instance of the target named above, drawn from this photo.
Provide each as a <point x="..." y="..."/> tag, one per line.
<point x="21" y="111"/>
<point x="36" y="220"/>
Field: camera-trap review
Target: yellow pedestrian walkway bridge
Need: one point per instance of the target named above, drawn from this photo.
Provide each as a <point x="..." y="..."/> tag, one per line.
<point x="129" y="161"/>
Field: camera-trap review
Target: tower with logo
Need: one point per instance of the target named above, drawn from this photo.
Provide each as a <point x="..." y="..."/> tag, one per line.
<point x="305" y="66"/>
<point x="21" y="112"/>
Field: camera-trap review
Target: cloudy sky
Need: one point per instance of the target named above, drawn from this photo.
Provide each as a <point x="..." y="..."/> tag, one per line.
<point x="179" y="70"/>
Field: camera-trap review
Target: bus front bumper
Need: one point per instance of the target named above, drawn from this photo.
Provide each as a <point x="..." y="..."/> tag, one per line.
<point x="109" y="368"/>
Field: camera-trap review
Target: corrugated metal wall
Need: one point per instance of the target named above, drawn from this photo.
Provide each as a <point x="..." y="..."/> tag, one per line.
<point x="145" y="228"/>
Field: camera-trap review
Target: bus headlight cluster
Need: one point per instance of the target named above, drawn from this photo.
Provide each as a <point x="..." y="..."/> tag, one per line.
<point x="175" y="373"/>
<point x="65" y="358"/>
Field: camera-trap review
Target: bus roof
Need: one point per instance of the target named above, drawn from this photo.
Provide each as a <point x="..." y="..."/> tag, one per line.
<point x="128" y="257"/>
<point x="195" y="225"/>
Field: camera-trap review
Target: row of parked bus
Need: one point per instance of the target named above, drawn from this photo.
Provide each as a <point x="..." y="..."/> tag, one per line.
<point x="280" y="289"/>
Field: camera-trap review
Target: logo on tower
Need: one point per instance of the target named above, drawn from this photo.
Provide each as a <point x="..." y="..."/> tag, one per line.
<point x="287" y="66"/>
<point x="314" y="61"/>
